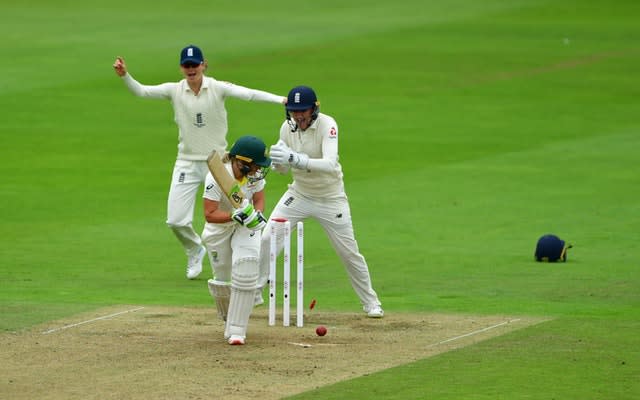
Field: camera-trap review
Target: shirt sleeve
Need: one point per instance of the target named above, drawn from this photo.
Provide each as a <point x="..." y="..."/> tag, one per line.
<point x="243" y="93"/>
<point x="251" y="188"/>
<point x="162" y="91"/>
<point x="329" y="160"/>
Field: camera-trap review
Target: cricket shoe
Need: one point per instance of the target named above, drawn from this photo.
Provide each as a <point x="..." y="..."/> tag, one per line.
<point x="194" y="264"/>
<point x="374" y="311"/>
<point x="236" y="340"/>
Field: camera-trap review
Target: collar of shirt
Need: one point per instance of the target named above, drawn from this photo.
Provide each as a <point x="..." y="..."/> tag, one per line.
<point x="313" y="126"/>
<point x="205" y="84"/>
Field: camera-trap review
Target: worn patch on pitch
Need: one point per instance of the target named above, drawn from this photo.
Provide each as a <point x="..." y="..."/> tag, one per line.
<point x="160" y="352"/>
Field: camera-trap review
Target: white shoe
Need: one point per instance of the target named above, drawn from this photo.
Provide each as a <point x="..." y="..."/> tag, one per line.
<point x="374" y="311"/>
<point x="236" y="340"/>
<point x="194" y="264"/>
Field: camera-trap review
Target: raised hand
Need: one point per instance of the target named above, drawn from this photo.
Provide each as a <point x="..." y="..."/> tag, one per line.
<point x="119" y="66"/>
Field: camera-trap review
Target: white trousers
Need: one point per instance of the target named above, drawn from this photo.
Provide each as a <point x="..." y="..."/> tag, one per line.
<point x="227" y="244"/>
<point x="233" y="253"/>
<point x="186" y="180"/>
<point x="335" y="217"/>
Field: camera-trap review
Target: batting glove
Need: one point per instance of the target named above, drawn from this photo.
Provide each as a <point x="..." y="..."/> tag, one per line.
<point x="257" y="223"/>
<point x="245" y="213"/>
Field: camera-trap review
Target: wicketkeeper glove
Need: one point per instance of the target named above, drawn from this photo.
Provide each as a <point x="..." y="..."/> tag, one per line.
<point x="281" y="154"/>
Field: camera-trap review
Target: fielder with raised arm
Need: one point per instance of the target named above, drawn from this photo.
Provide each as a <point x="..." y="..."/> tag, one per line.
<point x="232" y="235"/>
<point x="308" y="147"/>
<point x="199" y="111"/>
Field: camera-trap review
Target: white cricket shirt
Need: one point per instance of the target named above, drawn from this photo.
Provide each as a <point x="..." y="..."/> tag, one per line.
<point x="202" y="118"/>
<point x="323" y="176"/>
<point x="213" y="192"/>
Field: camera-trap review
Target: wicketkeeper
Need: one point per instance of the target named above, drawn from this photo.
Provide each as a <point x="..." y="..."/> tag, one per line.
<point x="308" y="148"/>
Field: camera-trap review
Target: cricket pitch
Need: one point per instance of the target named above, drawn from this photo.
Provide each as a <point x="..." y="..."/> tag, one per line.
<point x="136" y="352"/>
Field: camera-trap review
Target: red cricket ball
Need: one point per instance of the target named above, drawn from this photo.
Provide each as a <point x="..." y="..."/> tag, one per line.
<point x="321" y="330"/>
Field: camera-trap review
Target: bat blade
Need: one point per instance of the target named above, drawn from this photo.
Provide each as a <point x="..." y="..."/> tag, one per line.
<point x="230" y="187"/>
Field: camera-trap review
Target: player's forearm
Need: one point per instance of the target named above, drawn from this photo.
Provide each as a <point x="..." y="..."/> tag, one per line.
<point x="248" y="94"/>
<point x="258" y="201"/>
<point x="259" y="95"/>
<point x="140" y="90"/>
<point x="218" y="217"/>
<point x="321" y="165"/>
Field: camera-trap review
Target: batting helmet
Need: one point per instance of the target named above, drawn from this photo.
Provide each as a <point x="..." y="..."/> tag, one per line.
<point x="252" y="150"/>
<point x="551" y="248"/>
<point x="301" y="98"/>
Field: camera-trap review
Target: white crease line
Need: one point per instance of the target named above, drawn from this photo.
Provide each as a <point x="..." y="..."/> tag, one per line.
<point x="305" y="345"/>
<point x="91" y="320"/>
<point x="474" y="332"/>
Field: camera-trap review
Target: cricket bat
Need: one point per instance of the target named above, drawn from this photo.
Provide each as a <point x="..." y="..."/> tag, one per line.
<point x="227" y="183"/>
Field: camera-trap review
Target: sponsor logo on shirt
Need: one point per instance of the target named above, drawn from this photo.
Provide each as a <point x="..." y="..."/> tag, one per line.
<point x="199" y="121"/>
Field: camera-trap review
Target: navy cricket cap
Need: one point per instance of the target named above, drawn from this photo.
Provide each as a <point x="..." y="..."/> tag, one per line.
<point x="551" y="248"/>
<point x="192" y="54"/>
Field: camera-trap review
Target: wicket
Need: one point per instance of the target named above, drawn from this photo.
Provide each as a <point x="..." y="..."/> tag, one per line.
<point x="286" y="277"/>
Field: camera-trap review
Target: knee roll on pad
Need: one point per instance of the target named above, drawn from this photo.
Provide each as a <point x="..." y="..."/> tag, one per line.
<point x="244" y="274"/>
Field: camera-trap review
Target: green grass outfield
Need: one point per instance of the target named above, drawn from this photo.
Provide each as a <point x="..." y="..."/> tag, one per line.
<point x="468" y="129"/>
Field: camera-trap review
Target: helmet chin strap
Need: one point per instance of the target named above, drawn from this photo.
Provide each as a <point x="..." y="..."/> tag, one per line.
<point x="294" y="125"/>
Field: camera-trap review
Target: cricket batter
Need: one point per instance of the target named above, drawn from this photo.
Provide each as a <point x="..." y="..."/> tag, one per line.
<point x="199" y="111"/>
<point x="308" y="147"/>
<point x="232" y="236"/>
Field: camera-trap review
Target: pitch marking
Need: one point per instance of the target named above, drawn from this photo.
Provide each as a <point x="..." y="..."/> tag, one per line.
<point x="305" y="345"/>
<point x="474" y="332"/>
<point x="90" y="320"/>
